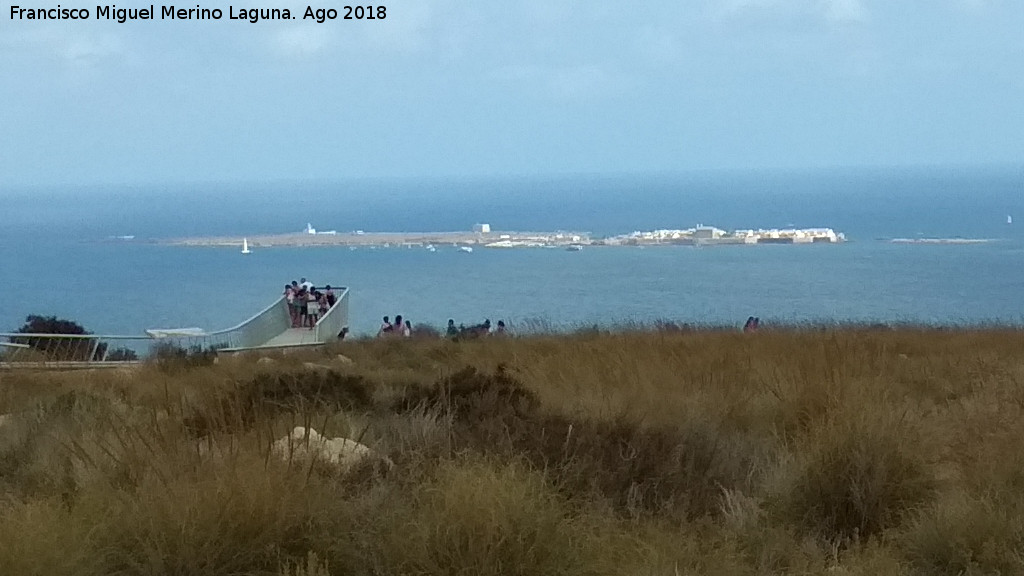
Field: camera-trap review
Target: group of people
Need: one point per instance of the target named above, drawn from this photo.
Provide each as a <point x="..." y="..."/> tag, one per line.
<point x="402" y="328"/>
<point x="306" y="303"/>
<point x="475" y="331"/>
<point x="753" y="323"/>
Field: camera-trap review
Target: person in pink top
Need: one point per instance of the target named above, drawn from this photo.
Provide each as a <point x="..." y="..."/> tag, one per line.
<point x="289" y="299"/>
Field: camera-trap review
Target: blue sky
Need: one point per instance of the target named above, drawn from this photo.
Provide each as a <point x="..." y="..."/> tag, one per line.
<point x="451" y="88"/>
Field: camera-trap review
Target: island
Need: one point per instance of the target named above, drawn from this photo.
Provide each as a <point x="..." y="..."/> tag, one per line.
<point x="482" y="235"/>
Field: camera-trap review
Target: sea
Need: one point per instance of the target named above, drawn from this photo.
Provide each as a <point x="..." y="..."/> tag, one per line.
<point x="60" y="251"/>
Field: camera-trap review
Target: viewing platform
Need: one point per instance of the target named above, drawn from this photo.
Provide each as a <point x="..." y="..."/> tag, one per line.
<point x="270" y="328"/>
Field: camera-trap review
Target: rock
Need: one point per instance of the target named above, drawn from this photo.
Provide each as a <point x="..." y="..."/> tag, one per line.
<point x="344" y="453"/>
<point x="344" y="359"/>
<point x="264" y="360"/>
<point x="315" y="366"/>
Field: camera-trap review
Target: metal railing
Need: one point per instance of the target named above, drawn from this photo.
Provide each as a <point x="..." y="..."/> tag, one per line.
<point x="95" y="349"/>
<point x="81" y="349"/>
<point x="255" y="331"/>
<point x="336" y="318"/>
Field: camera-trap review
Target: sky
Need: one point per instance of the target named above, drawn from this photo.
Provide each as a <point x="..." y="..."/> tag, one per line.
<point x="458" y="88"/>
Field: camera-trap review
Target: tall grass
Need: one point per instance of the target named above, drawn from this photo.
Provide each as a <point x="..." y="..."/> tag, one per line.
<point x="645" y="451"/>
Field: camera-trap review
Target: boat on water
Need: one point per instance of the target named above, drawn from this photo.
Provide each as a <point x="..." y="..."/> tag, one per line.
<point x="574" y="248"/>
<point x="430" y="248"/>
<point x="466" y="249"/>
<point x="1009" y="219"/>
<point x="245" y="246"/>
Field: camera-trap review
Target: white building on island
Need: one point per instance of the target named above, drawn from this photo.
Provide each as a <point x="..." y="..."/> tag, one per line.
<point x="482" y="228"/>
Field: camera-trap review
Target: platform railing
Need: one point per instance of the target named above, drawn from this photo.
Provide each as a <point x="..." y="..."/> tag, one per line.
<point x="255" y="331"/>
<point x="81" y="349"/>
<point x="336" y="318"/>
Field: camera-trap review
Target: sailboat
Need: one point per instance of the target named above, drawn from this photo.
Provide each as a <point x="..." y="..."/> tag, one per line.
<point x="245" y="246"/>
<point x="1009" y="219"/>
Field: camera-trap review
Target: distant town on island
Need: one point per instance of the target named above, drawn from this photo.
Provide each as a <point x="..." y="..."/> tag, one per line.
<point x="482" y="235"/>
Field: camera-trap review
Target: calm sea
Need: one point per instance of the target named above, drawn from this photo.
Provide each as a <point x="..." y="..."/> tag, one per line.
<point x="55" y="256"/>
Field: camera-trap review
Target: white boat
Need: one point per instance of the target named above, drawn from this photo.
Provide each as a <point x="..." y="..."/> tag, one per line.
<point x="466" y="249"/>
<point x="245" y="246"/>
<point x="574" y="248"/>
<point x="1009" y="219"/>
<point x="430" y="248"/>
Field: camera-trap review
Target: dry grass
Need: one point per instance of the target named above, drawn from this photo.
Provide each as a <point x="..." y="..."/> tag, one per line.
<point x="669" y="452"/>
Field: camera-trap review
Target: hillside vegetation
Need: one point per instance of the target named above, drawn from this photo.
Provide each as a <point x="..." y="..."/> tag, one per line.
<point x="849" y="452"/>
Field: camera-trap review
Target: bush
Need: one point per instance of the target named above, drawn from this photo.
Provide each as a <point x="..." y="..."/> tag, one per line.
<point x="171" y="357"/>
<point x="855" y="480"/>
<point x="122" y="354"/>
<point x="35" y="324"/>
<point x="266" y="395"/>
<point x="967" y="536"/>
<point x="482" y="519"/>
<point x="674" y="472"/>
<point x="425" y="331"/>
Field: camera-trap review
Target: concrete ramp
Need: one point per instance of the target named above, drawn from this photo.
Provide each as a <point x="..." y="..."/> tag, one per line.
<point x="293" y="337"/>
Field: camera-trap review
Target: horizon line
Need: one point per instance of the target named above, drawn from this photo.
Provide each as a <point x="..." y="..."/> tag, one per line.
<point x="469" y="177"/>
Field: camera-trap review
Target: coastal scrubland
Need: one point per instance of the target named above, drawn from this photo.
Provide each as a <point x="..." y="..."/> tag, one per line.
<point x="645" y="452"/>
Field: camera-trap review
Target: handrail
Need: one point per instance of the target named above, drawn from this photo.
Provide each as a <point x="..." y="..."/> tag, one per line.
<point x="336" y="318"/>
<point x="249" y="320"/>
